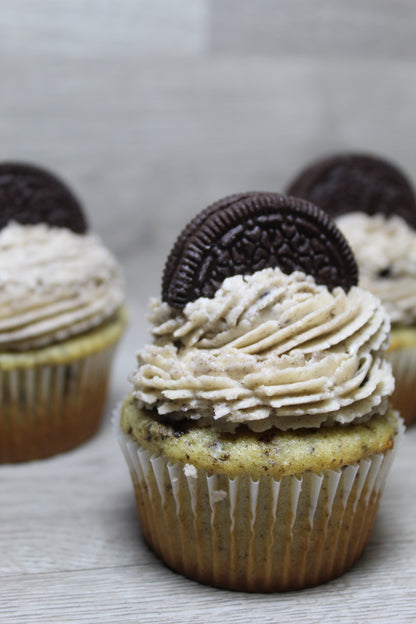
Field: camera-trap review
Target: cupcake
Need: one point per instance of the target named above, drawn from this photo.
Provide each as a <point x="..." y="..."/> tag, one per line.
<point x="61" y="316"/>
<point x="375" y="207"/>
<point x="258" y="432"/>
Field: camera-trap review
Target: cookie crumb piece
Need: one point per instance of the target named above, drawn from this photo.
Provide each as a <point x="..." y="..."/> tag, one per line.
<point x="218" y="495"/>
<point x="190" y="471"/>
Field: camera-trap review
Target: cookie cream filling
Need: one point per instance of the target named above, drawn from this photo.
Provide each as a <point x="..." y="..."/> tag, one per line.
<point x="385" y="250"/>
<point x="53" y="284"/>
<point x="269" y="349"/>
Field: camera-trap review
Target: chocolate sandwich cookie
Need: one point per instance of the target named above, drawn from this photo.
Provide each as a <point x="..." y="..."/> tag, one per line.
<point x="193" y="226"/>
<point x="30" y="195"/>
<point x="356" y="182"/>
<point x="245" y="233"/>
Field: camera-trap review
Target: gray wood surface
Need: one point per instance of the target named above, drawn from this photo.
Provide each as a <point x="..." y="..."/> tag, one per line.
<point x="151" y="109"/>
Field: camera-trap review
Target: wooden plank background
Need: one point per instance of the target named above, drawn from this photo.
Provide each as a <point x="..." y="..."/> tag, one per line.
<point x="151" y="109"/>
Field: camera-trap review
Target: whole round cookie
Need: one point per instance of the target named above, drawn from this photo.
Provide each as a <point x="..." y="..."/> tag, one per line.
<point x="30" y="195"/>
<point x="356" y="182"/>
<point x="246" y="233"/>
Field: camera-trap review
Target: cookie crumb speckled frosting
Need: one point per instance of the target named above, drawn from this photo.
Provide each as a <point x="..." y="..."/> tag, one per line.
<point x="268" y="349"/>
<point x="385" y="248"/>
<point x="54" y="284"/>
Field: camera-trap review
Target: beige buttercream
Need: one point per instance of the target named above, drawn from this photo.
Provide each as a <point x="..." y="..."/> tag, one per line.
<point x="385" y="250"/>
<point x="53" y="284"/>
<point x="269" y="349"/>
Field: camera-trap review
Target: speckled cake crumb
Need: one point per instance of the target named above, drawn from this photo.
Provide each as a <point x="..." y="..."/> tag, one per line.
<point x="277" y="453"/>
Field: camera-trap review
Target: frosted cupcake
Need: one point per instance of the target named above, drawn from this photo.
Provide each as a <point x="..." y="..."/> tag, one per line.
<point x="258" y="432"/>
<point x="375" y="208"/>
<point x="61" y="316"/>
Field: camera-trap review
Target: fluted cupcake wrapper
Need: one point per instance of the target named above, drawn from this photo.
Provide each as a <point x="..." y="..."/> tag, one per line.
<point x="50" y="408"/>
<point x="403" y="362"/>
<point x="255" y="535"/>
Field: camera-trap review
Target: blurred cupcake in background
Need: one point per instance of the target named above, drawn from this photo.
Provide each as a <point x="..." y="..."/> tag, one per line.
<point x="374" y="205"/>
<point x="61" y="316"/>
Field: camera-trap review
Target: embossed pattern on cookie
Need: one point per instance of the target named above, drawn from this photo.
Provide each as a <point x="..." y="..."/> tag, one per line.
<point x="251" y="232"/>
<point x="186" y="235"/>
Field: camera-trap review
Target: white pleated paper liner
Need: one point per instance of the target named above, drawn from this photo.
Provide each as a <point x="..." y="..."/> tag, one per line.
<point x="255" y="535"/>
<point x="50" y="408"/>
<point x="403" y="362"/>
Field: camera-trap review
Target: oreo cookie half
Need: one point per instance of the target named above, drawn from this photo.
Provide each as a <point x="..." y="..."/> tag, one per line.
<point x="245" y="233"/>
<point x="356" y="182"/>
<point x="29" y="195"/>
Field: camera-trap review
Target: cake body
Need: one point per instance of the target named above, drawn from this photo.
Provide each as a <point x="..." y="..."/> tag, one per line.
<point x="52" y="398"/>
<point x="253" y="512"/>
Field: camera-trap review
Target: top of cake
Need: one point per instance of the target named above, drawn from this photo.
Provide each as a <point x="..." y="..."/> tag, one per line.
<point x="281" y="338"/>
<point x="56" y="280"/>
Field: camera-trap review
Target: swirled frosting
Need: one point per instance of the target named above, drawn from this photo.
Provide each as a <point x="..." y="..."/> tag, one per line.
<point x="385" y="250"/>
<point x="53" y="284"/>
<point x="269" y="349"/>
